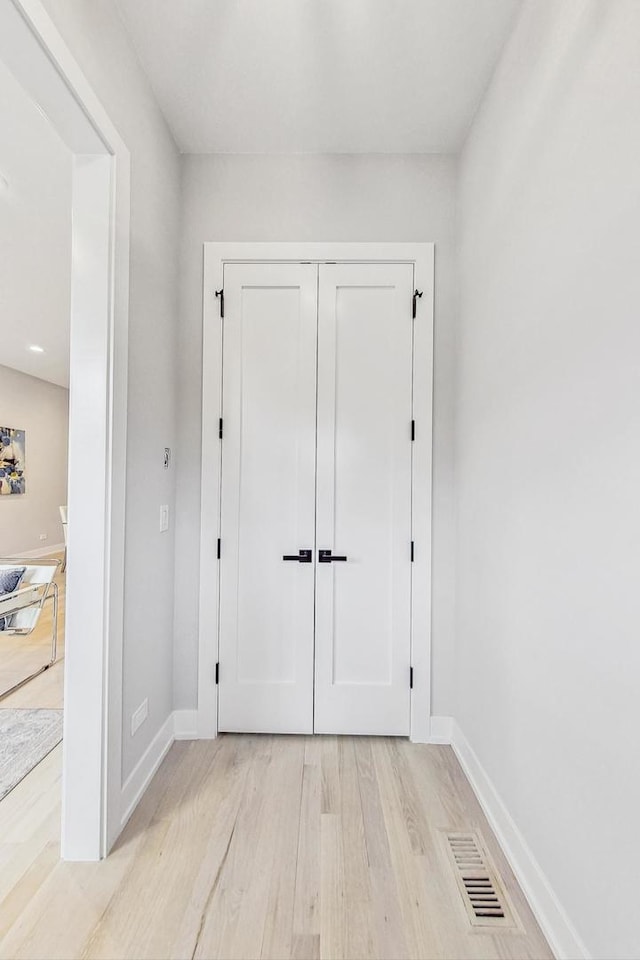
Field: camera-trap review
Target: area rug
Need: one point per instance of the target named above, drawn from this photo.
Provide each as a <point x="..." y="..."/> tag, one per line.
<point x="26" y="737"/>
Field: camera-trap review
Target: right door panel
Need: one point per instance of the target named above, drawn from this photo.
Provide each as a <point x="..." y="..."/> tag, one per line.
<point x="363" y="603"/>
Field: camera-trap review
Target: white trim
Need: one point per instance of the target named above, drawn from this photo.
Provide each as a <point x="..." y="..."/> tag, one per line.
<point x="185" y="724"/>
<point x="179" y="725"/>
<point x="547" y="909"/>
<point x="440" y="730"/>
<point x="146" y="768"/>
<point x="36" y="53"/>
<point x="422" y="469"/>
<point x="215" y="256"/>
<point x="38" y="554"/>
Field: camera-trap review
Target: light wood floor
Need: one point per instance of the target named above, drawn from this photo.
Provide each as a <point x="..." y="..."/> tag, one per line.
<point x="260" y="847"/>
<point x="21" y="656"/>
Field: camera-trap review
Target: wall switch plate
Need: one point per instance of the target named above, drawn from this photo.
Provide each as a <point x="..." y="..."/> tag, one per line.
<point x="164" y="518"/>
<point x="139" y="716"/>
<point x="43" y="536"/>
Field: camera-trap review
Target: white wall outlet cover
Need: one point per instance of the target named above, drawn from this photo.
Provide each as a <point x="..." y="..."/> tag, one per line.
<point x="43" y="536"/>
<point x="164" y="518"/>
<point x="139" y="716"/>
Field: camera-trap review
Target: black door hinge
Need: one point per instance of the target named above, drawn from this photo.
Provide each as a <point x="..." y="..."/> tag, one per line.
<point x="217" y="673"/>
<point x="220" y="293"/>
<point x="218" y="549"/>
<point x="416" y="295"/>
<point x="220" y="428"/>
<point x="410" y="678"/>
<point x="412" y="551"/>
<point x="413" y="429"/>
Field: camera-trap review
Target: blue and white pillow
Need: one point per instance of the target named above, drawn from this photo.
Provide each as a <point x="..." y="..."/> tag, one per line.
<point x="9" y="582"/>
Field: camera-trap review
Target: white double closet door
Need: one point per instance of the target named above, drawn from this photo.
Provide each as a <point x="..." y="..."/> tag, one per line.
<point x="315" y="560"/>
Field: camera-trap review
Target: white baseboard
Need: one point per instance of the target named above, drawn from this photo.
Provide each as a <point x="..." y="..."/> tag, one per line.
<point x="38" y="554"/>
<point x="440" y="730"/>
<point x="185" y="724"/>
<point x="142" y="774"/>
<point x="548" y="911"/>
<point x="179" y="725"/>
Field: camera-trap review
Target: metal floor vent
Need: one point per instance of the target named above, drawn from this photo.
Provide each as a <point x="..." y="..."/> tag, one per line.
<point x="481" y="890"/>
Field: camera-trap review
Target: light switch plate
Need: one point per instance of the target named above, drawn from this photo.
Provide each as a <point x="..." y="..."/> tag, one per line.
<point x="164" y="518"/>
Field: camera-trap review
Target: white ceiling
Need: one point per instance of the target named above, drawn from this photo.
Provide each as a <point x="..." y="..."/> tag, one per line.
<point x="35" y="238"/>
<point x="319" y="76"/>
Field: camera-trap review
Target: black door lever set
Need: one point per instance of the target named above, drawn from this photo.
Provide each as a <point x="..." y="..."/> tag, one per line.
<point x="305" y="556"/>
<point x="325" y="556"/>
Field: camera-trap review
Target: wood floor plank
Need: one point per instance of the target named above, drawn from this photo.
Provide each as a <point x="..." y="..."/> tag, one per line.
<point x="24" y="810"/>
<point x="333" y="905"/>
<point x="40" y="866"/>
<point x="277" y="939"/>
<point x="330" y="767"/>
<point x="356" y="863"/>
<point x="357" y="877"/>
<point x="306" y="913"/>
<point x="306" y="947"/>
<point x="409" y="840"/>
<point x="390" y="934"/>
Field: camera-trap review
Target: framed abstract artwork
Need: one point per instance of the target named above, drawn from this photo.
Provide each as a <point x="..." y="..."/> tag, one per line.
<point x="12" y="461"/>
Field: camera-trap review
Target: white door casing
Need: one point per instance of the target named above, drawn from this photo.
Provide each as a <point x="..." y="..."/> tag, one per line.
<point x="417" y="258"/>
<point x="268" y="494"/>
<point x="363" y="604"/>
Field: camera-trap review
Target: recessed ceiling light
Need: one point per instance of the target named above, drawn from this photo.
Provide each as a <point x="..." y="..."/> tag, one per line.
<point x="36" y="349"/>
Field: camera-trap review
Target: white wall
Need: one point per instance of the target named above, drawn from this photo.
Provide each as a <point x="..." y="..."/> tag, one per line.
<point x="548" y="457"/>
<point x="97" y="39"/>
<point x="42" y="410"/>
<point x="308" y="197"/>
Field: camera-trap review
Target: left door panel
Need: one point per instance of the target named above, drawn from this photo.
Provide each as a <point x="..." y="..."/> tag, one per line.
<point x="268" y="498"/>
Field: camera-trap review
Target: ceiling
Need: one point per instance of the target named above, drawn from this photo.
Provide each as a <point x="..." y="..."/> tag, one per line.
<point x="319" y="76"/>
<point x="35" y="238"/>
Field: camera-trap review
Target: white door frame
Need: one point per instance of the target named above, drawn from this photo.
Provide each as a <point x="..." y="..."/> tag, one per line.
<point x="421" y="255"/>
<point x="34" y="50"/>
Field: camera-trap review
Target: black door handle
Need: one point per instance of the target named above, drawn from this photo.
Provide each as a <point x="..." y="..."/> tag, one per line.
<point x="303" y="556"/>
<point x="325" y="556"/>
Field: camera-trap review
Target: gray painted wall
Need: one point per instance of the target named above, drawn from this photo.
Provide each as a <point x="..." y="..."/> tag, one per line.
<point x="548" y="461"/>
